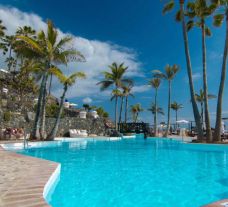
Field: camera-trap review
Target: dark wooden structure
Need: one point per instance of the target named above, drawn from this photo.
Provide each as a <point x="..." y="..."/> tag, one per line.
<point x="137" y="128"/>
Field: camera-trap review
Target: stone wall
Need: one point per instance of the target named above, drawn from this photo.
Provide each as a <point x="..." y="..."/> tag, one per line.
<point x="93" y="126"/>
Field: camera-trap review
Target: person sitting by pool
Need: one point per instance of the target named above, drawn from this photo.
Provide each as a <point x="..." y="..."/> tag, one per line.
<point x="19" y="133"/>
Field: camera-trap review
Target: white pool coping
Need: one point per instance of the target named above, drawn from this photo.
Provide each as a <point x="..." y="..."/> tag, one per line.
<point x="52" y="182"/>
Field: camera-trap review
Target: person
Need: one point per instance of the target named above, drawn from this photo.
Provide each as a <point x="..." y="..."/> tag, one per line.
<point x="20" y="133"/>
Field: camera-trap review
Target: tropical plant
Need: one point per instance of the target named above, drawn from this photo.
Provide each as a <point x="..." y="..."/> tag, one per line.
<point x="176" y="107"/>
<point x="169" y="74"/>
<point x="155" y="83"/>
<point x="180" y="17"/>
<point x="114" y="78"/>
<point x="155" y="111"/>
<point x="101" y="112"/>
<point x="50" y="51"/>
<point x="87" y="107"/>
<point x="135" y="110"/>
<point x="200" y="100"/>
<point x="219" y="17"/>
<point x="67" y="82"/>
<point x="199" y="11"/>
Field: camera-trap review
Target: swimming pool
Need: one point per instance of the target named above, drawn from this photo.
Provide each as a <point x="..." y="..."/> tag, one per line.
<point x="136" y="172"/>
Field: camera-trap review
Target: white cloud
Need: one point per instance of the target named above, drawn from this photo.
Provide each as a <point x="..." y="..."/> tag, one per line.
<point x="87" y="100"/>
<point x="98" y="54"/>
<point x="140" y="89"/>
<point x="196" y="76"/>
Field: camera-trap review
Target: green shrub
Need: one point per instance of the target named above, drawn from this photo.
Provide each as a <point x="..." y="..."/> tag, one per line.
<point x="52" y="110"/>
<point x="7" y="116"/>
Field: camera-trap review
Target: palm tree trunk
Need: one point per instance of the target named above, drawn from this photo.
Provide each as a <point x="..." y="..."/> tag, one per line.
<point x="121" y="109"/>
<point x="116" y="112"/>
<point x="136" y="117"/>
<point x="50" y="84"/>
<point x="126" y="109"/>
<point x="56" y="126"/>
<point x="217" y="133"/>
<point x="155" y="114"/>
<point x="169" y="102"/>
<point x="202" y="116"/>
<point x="43" y="109"/>
<point x="36" y="126"/>
<point x="189" y="70"/>
<point x="205" y="87"/>
<point x="176" y="119"/>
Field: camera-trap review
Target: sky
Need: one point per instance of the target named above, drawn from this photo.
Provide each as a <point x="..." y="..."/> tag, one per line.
<point x="133" y="32"/>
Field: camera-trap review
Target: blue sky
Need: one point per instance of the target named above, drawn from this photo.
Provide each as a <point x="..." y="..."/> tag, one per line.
<point x="134" y="32"/>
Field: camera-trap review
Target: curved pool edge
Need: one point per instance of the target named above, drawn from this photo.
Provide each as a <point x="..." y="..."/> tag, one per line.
<point x="27" y="181"/>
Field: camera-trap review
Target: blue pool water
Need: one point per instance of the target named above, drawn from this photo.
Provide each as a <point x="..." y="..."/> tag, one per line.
<point x="137" y="173"/>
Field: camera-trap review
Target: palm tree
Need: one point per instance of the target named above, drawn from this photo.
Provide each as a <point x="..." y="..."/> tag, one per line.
<point x="180" y="17"/>
<point x="176" y="107"/>
<point x="50" y="51"/>
<point x="169" y="74"/>
<point x="200" y="11"/>
<point x="135" y="110"/>
<point x="155" y="111"/>
<point x="115" y="77"/>
<point x="222" y="14"/>
<point x="200" y="100"/>
<point x="155" y="83"/>
<point x="67" y="82"/>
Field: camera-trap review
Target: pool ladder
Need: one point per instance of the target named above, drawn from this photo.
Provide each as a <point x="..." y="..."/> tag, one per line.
<point x="26" y="136"/>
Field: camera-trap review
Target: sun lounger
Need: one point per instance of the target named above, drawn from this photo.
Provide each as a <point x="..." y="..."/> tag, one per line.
<point x="78" y="133"/>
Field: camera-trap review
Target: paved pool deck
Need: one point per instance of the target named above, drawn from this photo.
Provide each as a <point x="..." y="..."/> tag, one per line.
<point x="22" y="179"/>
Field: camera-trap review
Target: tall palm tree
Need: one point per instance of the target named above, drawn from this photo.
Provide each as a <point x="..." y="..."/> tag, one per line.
<point x="180" y="17"/>
<point x="49" y="50"/>
<point x="221" y="15"/>
<point x="127" y="92"/>
<point x="176" y="107"/>
<point x="114" y="78"/>
<point x="67" y="82"/>
<point x="200" y="10"/>
<point x="169" y="74"/>
<point x="155" y="83"/>
<point x="200" y="100"/>
<point x="135" y="110"/>
<point x="155" y="111"/>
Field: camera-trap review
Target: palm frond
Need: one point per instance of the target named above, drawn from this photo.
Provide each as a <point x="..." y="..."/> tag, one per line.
<point x="218" y="20"/>
<point x="168" y="7"/>
<point x="105" y="84"/>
